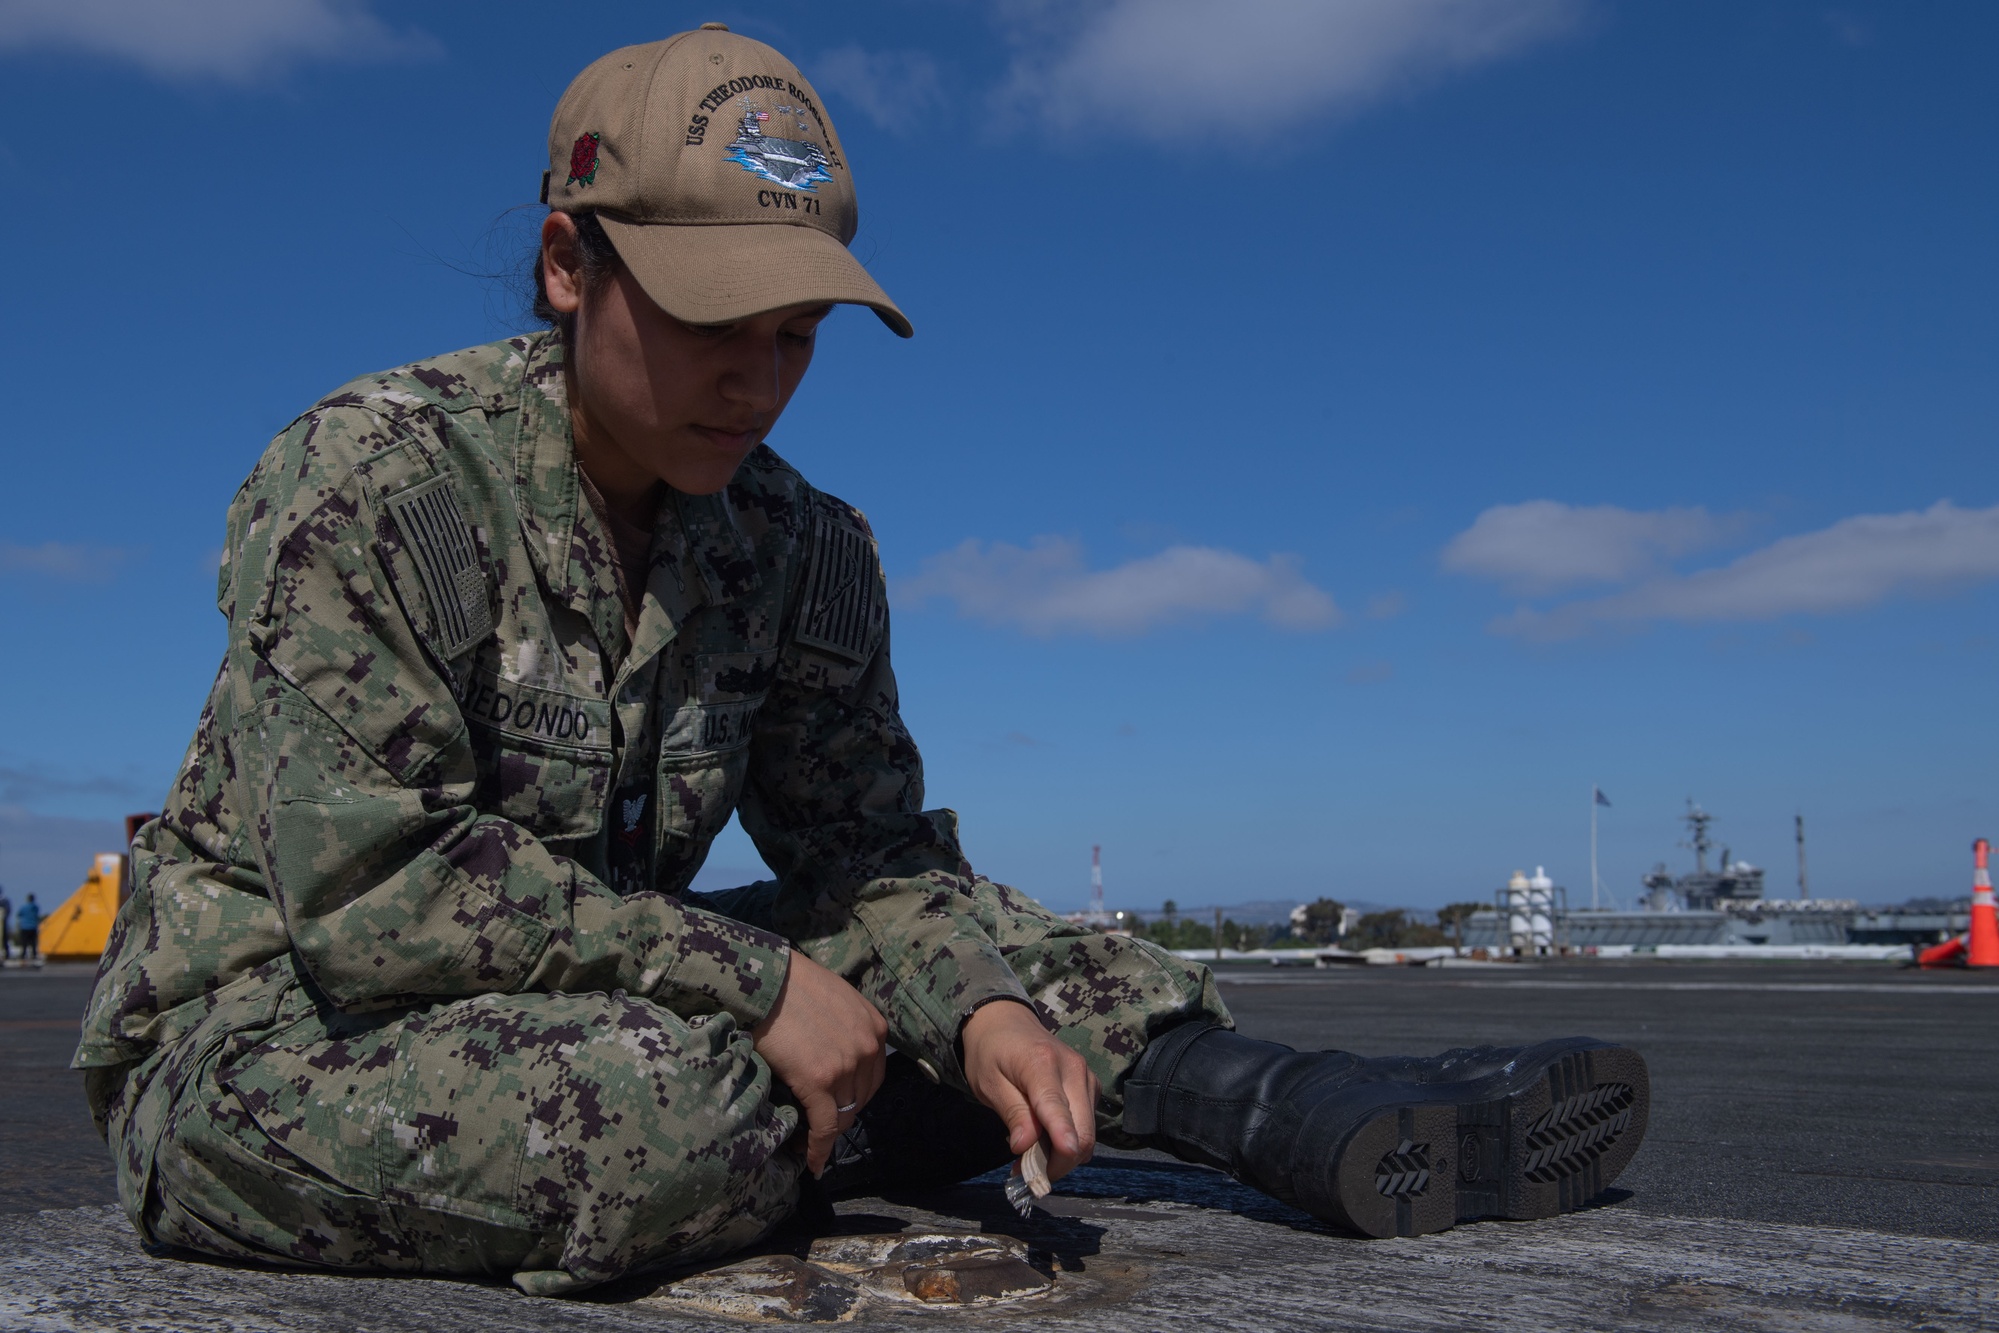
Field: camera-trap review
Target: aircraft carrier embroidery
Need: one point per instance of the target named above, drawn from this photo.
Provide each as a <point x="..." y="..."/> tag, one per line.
<point x="796" y="164"/>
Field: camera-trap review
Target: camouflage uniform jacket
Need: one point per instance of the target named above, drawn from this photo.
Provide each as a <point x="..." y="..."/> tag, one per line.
<point x="431" y="750"/>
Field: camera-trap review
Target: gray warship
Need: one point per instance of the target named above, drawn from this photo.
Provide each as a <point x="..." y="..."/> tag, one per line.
<point x="1719" y="904"/>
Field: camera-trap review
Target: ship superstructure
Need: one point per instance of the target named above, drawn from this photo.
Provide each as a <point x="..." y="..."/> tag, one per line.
<point x="1733" y="882"/>
<point x="1718" y="903"/>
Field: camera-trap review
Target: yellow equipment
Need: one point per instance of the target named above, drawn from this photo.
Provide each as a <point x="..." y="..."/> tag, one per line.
<point x="79" y="928"/>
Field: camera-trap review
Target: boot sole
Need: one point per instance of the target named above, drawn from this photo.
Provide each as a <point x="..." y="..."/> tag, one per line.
<point x="1561" y="1127"/>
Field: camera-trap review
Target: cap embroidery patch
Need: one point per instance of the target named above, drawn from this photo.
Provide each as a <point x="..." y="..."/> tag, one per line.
<point x="583" y="160"/>
<point x="796" y="164"/>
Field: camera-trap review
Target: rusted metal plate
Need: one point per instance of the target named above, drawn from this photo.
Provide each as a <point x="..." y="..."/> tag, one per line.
<point x="973" y="1281"/>
<point x="841" y="1277"/>
<point x="769" y="1287"/>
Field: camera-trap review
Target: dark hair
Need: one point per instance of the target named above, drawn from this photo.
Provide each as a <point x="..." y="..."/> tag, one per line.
<point x="599" y="259"/>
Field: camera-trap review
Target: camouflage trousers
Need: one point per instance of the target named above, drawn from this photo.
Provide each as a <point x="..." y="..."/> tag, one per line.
<point x="559" y="1139"/>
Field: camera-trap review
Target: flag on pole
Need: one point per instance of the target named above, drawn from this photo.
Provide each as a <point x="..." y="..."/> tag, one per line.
<point x="1601" y="799"/>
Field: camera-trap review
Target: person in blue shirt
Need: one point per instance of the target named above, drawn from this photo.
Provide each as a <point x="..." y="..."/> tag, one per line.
<point x="6" y="926"/>
<point x="30" y="923"/>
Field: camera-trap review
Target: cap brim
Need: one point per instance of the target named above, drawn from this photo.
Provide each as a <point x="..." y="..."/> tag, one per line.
<point x="717" y="274"/>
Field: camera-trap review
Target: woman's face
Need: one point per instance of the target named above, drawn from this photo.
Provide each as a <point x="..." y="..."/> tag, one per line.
<point x="659" y="400"/>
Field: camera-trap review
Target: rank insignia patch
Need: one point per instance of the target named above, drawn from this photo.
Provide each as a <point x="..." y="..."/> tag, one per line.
<point x="447" y="560"/>
<point x="843" y="609"/>
<point x="583" y="160"/>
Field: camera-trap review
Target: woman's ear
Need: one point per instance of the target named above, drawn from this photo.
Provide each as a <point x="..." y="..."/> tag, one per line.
<point x="561" y="263"/>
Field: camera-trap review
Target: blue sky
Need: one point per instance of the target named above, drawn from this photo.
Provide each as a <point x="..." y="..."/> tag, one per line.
<point x="1337" y="433"/>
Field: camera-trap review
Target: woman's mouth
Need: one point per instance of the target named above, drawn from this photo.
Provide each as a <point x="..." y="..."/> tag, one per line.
<point x="736" y="440"/>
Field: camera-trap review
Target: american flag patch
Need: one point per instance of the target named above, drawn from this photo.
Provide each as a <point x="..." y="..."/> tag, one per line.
<point x="843" y="611"/>
<point x="447" y="560"/>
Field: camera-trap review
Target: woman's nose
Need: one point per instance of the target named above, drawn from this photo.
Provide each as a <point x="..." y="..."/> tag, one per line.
<point x="753" y="376"/>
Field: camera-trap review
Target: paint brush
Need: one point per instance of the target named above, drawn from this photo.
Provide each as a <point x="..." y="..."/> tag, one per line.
<point x="1029" y="1180"/>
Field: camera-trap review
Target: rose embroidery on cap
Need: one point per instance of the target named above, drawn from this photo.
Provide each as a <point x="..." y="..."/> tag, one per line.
<point x="583" y="160"/>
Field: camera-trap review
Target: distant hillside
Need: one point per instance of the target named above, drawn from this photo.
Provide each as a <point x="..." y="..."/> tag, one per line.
<point x="715" y="879"/>
<point x="1272" y="911"/>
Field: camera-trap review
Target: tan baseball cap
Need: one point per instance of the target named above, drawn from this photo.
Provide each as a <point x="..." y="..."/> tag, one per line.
<point x="718" y="176"/>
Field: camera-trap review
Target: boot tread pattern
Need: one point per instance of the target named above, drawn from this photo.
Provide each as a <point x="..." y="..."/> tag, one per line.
<point x="1566" y="1138"/>
<point x="1403" y="1172"/>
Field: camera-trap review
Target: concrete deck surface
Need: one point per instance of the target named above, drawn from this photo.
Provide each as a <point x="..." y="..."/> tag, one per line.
<point x="1823" y="1154"/>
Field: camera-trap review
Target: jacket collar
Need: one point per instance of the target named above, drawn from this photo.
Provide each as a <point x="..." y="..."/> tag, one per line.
<point x="568" y="544"/>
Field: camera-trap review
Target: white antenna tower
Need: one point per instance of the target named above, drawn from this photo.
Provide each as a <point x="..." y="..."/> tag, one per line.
<point x="1097" y="884"/>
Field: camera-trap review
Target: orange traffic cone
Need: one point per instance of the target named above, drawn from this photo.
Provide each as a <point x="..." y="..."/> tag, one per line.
<point x="1948" y="954"/>
<point x="1982" y="945"/>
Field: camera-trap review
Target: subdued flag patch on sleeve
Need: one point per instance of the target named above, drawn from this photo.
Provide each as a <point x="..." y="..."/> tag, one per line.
<point x="433" y="526"/>
<point x="843" y="610"/>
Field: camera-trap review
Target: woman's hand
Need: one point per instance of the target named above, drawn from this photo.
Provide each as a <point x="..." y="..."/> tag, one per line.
<point x="1040" y="1087"/>
<point x="826" y="1043"/>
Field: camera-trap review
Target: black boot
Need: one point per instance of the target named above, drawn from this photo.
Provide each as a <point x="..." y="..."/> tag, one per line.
<point x="914" y="1134"/>
<point x="1400" y="1146"/>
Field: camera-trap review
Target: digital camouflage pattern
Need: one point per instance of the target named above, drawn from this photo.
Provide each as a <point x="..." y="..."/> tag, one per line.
<point x="410" y="976"/>
<point x="558" y="1139"/>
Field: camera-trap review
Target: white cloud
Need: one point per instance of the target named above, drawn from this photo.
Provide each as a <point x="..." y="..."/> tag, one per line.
<point x="243" y="41"/>
<point x="1543" y="545"/>
<point x="62" y="561"/>
<point x="1855" y="563"/>
<point x="1046" y="588"/>
<point x="1388" y="605"/>
<point x="1173" y="69"/>
<point x="894" y="89"/>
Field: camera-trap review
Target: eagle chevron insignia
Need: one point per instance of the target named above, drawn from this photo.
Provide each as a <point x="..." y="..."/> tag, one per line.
<point x="447" y="560"/>
<point x="843" y="606"/>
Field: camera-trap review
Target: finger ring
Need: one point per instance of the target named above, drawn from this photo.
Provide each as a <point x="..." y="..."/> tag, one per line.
<point x="842" y="1110"/>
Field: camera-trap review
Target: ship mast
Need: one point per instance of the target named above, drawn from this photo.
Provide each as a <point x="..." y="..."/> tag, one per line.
<point x="1698" y="820"/>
